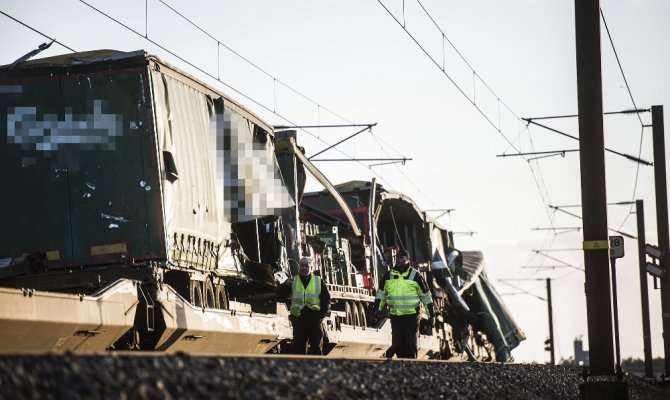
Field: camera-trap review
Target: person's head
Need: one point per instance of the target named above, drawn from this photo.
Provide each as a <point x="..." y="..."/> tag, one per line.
<point x="305" y="266"/>
<point x="402" y="260"/>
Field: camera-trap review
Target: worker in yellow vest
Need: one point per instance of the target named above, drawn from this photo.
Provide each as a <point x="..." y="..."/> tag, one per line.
<point x="310" y="302"/>
<point x="404" y="291"/>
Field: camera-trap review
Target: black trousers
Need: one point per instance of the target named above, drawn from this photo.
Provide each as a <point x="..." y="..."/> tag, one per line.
<point x="405" y="331"/>
<point x="307" y="329"/>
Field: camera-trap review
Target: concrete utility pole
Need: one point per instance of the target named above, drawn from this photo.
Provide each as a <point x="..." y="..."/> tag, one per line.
<point x="662" y="224"/>
<point x="594" y="199"/>
<point x="644" y="291"/>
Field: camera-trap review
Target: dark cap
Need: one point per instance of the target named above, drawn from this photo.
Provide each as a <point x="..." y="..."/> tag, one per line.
<point x="402" y="253"/>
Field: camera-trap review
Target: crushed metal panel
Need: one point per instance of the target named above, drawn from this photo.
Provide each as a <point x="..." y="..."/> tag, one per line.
<point x="473" y="265"/>
<point x="236" y="176"/>
<point x="500" y="327"/>
<point x="511" y="332"/>
<point x="191" y="212"/>
<point x="81" y="58"/>
<point x="438" y="254"/>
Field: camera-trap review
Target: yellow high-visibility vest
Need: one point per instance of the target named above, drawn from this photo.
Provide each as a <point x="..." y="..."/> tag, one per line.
<point x="402" y="293"/>
<point x="309" y="296"/>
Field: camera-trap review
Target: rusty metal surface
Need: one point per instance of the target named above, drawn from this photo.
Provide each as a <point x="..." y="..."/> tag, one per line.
<point x="34" y="321"/>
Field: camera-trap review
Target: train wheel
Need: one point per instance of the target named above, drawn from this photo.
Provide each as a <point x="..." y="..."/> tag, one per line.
<point x="208" y="294"/>
<point x="349" y="314"/>
<point x="361" y="315"/>
<point x="196" y="293"/>
<point x="356" y="318"/>
<point x="221" y="297"/>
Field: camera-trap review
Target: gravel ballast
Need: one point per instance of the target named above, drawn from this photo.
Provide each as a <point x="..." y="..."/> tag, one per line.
<point x="142" y="376"/>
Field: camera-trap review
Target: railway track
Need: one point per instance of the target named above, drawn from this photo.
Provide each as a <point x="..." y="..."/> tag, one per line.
<point x="159" y="376"/>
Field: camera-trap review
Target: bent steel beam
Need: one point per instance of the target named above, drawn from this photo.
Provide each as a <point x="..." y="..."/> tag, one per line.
<point x="326" y="183"/>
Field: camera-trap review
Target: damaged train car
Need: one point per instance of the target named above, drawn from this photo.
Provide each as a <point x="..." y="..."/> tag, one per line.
<point x="124" y="168"/>
<point x="474" y="322"/>
<point x="149" y="211"/>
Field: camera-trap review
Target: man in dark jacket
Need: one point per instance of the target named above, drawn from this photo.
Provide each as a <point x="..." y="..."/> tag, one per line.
<point x="310" y="302"/>
<point x="404" y="290"/>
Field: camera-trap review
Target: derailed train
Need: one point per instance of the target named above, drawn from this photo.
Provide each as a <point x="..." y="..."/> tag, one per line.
<point x="145" y="210"/>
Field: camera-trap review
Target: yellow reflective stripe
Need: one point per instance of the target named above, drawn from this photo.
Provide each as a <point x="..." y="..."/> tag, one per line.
<point x="404" y="306"/>
<point x="391" y="298"/>
<point x="403" y="292"/>
<point x="381" y="295"/>
<point x="295" y="288"/>
<point x="426" y="298"/>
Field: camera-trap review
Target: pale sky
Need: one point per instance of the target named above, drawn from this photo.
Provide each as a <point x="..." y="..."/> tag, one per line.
<point x="349" y="61"/>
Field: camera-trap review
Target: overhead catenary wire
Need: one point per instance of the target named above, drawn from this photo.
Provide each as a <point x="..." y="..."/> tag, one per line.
<point x="190" y="64"/>
<point x="405" y="175"/>
<point x="401" y="160"/>
<point x="505" y="281"/>
<point x="540" y="184"/>
<point x="162" y="47"/>
<point x="632" y="99"/>
<point x="633" y="111"/>
<point x="616" y="55"/>
<point x="542" y="253"/>
<point x="379" y="176"/>
<point x="628" y="235"/>
<point x="628" y="156"/>
<point x="256" y="66"/>
<point x="146" y="36"/>
<point x="172" y="53"/>
<point x="319" y="106"/>
<point x="36" y="31"/>
<point x="275" y="80"/>
<point x="458" y="87"/>
<point x="637" y="159"/>
<point x="549" y="152"/>
<point x="539" y="181"/>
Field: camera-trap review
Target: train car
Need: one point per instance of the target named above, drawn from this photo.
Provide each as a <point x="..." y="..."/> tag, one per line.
<point x="122" y="167"/>
<point x="149" y="211"/>
<point x="474" y="323"/>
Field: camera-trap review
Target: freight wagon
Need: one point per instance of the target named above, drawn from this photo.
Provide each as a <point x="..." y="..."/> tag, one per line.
<point x="146" y="210"/>
<point x="473" y="322"/>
